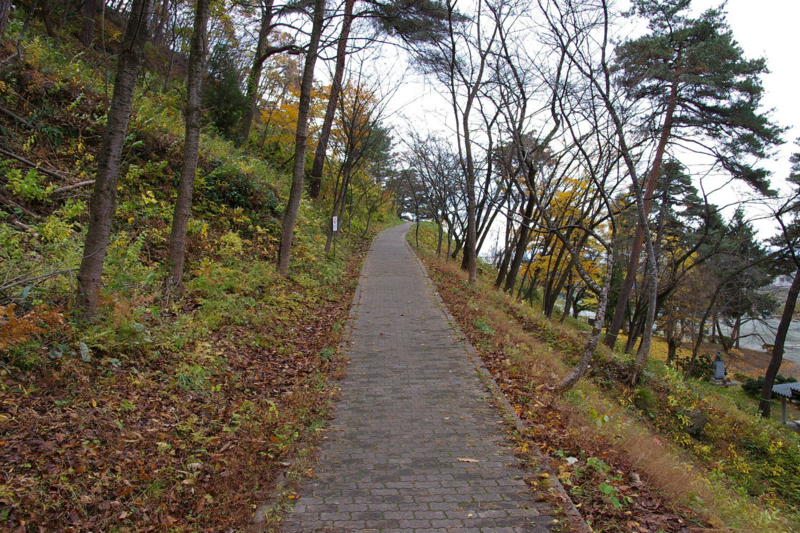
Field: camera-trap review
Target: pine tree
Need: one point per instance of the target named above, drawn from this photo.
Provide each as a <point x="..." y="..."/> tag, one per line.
<point x="692" y="76"/>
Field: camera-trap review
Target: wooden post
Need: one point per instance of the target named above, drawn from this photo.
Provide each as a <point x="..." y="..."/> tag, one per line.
<point x="783" y="410"/>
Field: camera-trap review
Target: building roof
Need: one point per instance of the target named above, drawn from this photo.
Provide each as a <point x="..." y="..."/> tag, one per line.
<point x="785" y="389"/>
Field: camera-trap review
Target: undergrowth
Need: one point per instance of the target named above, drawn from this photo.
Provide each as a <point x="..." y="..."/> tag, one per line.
<point x="169" y="412"/>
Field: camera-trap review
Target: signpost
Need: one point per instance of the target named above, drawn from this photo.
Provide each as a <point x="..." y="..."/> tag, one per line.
<point x="335" y="230"/>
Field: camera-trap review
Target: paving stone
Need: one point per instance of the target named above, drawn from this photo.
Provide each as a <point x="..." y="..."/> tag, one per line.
<point x="411" y="406"/>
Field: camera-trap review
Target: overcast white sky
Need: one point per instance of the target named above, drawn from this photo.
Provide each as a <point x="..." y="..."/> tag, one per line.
<point x="768" y="28"/>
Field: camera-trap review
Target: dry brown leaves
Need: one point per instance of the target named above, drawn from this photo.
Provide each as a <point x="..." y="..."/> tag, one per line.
<point x="93" y="447"/>
<point x="553" y="430"/>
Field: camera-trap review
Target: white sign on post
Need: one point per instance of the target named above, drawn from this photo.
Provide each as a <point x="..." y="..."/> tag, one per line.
<point x="335" y="224"/>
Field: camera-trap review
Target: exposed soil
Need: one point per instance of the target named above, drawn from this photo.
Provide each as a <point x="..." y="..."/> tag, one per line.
<point x="755" y="362"/>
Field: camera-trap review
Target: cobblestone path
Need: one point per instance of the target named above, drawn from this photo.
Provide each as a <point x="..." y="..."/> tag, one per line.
<point x="416" y="444"/>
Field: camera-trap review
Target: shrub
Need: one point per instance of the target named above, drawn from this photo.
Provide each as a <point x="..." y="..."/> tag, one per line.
<point x="703" y="367"/>
<point x="753" y="386"/>
<point x="234" y="188"/>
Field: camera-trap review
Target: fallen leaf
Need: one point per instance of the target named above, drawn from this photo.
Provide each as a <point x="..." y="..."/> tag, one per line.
<point x="467" y="460"/>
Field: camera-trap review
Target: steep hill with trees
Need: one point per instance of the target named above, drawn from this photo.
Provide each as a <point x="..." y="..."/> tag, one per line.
<point x="158" y="369"/>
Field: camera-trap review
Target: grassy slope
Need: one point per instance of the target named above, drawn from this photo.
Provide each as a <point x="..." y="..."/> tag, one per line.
<point x="167" y="414"/>
<point x="627" y="455"/>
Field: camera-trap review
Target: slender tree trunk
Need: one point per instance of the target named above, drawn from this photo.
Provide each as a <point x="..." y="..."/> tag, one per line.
<point x="191" y="147"/>
<point x="28" y="16"/>
<point x="551" y="291"/>
<point x="567" y="302"/>
<point x="673" y="343"/>
<point x="315" y="181"/>
<point x="301" y="141"/>
<point x="701" y="330"/>
<point x="780" y="341"/>
<point x="735" y="332"/>
<point x="104" y="196"/>
<point x="340" y="197"/>
<point x="502" y="267"/>
<point x="89" y="20"/>
<point x="522" y="245"/>
<point x="254" y="78"/>
<point x="524" y="278"/>
<point x="638" y="240"/>
<point x="44" y="11"/>
<point x="511" y="236"/>
<point x="439" y="238"/>
<point x="594" y="337"/>
<point x="652" y="287"/>
<point x="714" y="321"/>
<point x="447" y="255"/>
<point x="725" y="345"/>
<point x="483" y="232"/>
<point x="161" y="23"/>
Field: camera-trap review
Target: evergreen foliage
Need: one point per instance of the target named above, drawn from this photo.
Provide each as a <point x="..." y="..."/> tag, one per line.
<point x="223" y="99"/>
<point x="697" y="66"/>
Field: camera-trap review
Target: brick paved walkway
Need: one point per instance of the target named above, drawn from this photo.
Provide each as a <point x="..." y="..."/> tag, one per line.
<point x="412" y="406"/>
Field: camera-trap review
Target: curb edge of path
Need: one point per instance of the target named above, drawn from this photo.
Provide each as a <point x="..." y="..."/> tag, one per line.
<point x="577" y="522"/>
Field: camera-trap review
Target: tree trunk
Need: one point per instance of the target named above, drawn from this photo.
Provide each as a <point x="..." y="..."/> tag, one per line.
<point x="701" y="330"/>
<point x="89" y="20"/>
<point x="191" y="146"/>
<point x="550" y="293"/>
<point x="567" y="303"/>
<point x="737" y="327"/>
<point x="652" y="288"/>
<point x="522" y="245"/>
<point x="777" y="350"/>
<point x="439" y="238"/>
<point x="339" y="199"/>
<point x="594" y="338"/>
<point x="447" y="255"/>
<point x="163" y="18"/>
<point x="638" y="240"/>
<point x="725" y="345"/>
<point x="254" y="78"/>
<point x="104" y="196"/>
<point x="5" y="9"/>
<point x="315" y="181"/>
<point x="301" y="141"/>
<point x="511" y="236"/>
<point x="502" y="267"/>
<point x="44" y="11"/>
